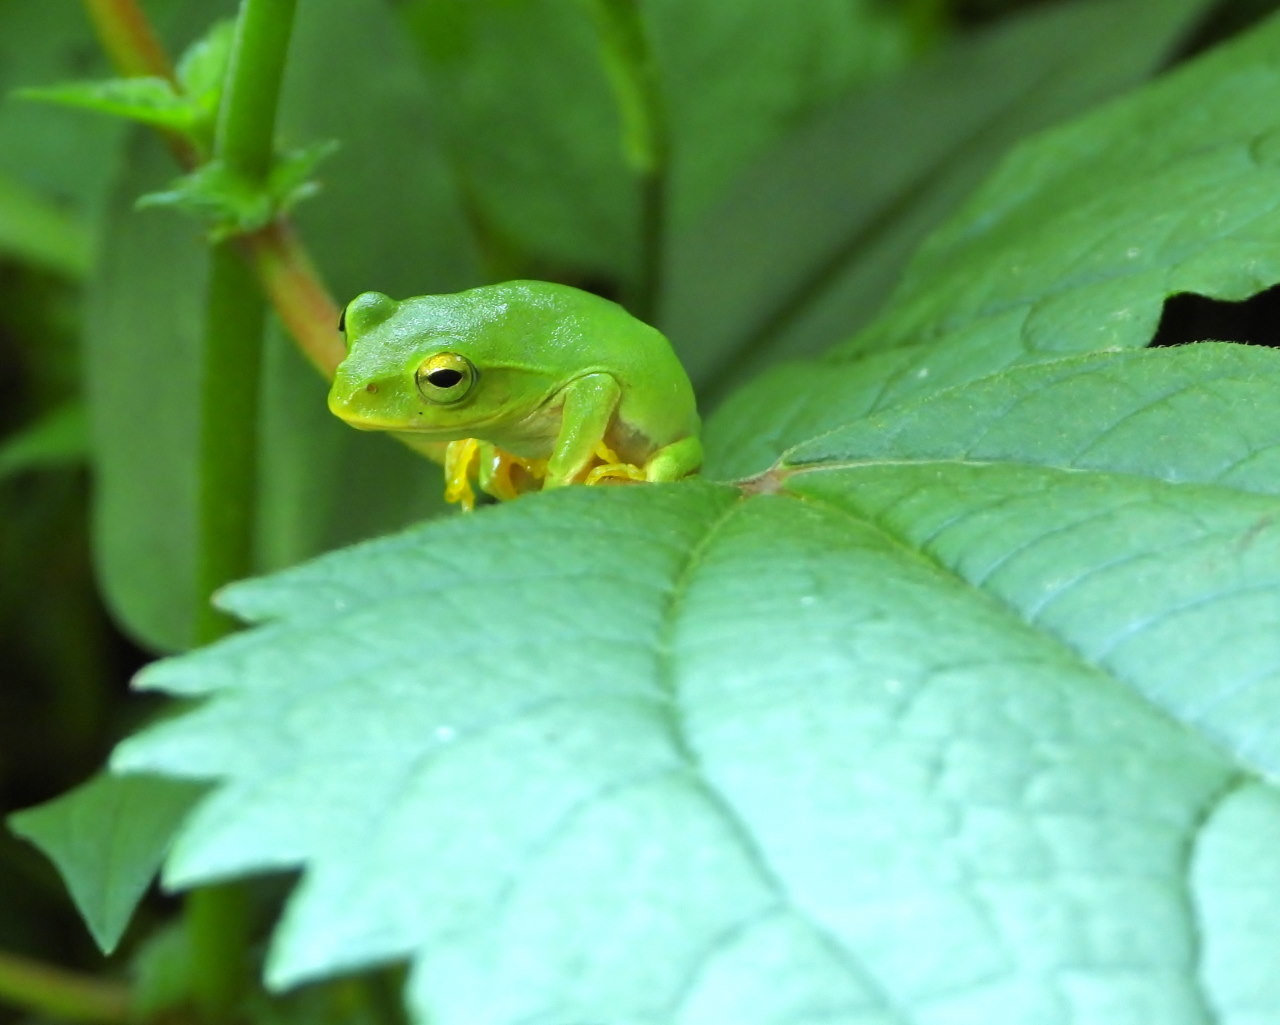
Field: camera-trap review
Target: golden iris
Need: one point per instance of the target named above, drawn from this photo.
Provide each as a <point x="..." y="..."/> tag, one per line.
<point x="445" y="378"/>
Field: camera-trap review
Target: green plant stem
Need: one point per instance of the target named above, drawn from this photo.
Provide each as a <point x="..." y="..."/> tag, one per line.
<point x="57" y="993"/>
<point x="234" y="322"/>
<point x="128" y="39"/>
<point x="653" y="242"/>
<point x="629" y="65"/>
<point x="246" y="124"/>
<point x="305" y="306"/>
<point x="285" y="269"/>
<point x="135" y="50"/>
<point x="217" y="924"/>
<point x="229" y="375"/>
<point x="217" y="917"/>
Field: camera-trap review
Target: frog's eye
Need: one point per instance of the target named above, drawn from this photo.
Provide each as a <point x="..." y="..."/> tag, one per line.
<point x="445" y="378"/>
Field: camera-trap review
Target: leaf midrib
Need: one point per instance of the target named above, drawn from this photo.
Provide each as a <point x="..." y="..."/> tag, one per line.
<point x="668" y="677"/>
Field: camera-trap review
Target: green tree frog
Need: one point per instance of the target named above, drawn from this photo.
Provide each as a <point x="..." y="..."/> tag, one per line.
<point x="531" y="384"/>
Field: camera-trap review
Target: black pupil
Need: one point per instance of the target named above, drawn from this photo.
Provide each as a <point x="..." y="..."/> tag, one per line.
<point x="444" y="378"/>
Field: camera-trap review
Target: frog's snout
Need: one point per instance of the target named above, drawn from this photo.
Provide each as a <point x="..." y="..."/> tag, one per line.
<point x="359" y="404"/>
<point x="340" y="404"/>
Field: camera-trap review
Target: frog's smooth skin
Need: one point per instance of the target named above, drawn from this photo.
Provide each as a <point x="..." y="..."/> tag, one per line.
<point x="534" y="384"/>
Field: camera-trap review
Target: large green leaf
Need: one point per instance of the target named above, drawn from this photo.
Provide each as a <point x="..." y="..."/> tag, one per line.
<point x="145" y="315"/>
<point x="524" y="103"/>
<point x="806" y="245"/>
<point x="920" y="727"/>
<point x="1180" y="177"/>
<point x="1072" y="246"/>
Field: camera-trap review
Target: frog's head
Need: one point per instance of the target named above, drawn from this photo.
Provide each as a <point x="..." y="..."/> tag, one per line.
<point x="437" y="365"/>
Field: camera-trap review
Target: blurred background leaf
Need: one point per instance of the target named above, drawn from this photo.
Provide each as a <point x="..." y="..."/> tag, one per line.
<point x="64" y="664"/>
<point x="737" y="76"/>
<point x="35" y="230"/>
<point x="806" y="244"/>
<point x="107" y="837"/>
<point x="534" y="140"/>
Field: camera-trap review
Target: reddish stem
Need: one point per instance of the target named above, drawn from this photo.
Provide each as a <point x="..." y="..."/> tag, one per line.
<point x="291" y="282"/>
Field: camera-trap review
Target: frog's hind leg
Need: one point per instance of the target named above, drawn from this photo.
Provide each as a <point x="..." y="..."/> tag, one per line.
<point x="671" y="462"/>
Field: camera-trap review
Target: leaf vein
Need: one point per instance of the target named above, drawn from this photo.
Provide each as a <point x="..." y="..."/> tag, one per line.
<point x="730" y="815"/>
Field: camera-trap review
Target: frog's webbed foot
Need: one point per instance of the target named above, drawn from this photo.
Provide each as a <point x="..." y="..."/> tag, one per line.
<point x="505" y="476"/>
<point x="459" y="460"/>
<point x="496" y="472"/>
<point x="612" y="469"/>
<point x="471" y="464"/>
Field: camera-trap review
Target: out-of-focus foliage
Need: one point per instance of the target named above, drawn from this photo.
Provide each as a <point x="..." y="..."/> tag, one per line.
<point x="63" y="663"/>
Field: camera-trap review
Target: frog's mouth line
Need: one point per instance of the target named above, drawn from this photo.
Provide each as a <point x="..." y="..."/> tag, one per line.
<point x="361" y="422"/>
<point x="438" y="433"/>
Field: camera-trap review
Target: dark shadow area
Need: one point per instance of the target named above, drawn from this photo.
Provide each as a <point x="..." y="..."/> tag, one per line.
<point x="1222" y="21"/>
<point x="1188" y="317"/>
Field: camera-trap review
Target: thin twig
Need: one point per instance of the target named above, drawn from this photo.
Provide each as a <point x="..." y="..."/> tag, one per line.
<point x="58" y="993"/>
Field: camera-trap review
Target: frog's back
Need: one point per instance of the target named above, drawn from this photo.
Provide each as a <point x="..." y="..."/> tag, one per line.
<point x="586" y="333"/>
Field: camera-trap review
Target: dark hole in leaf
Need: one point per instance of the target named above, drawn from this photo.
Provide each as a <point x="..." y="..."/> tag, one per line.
<point x="1188" y="317"/>
<point x="444" y="378"/>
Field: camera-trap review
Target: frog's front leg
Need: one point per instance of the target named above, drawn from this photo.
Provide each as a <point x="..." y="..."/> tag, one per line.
<point x="459" y="457"/>
<point x="588" y="408"/>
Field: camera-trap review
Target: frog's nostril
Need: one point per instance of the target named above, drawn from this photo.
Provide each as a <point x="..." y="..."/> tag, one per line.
<point x="371" y="388"/>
